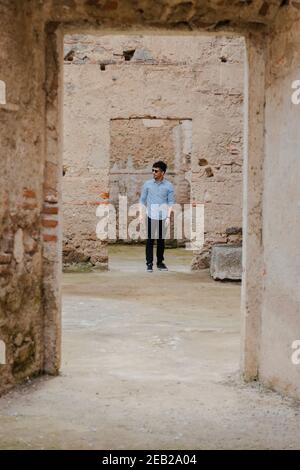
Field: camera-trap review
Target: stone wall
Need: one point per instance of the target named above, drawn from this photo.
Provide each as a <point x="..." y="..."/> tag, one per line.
<point x="22" y="118"/>
<point x="280" y="323"/>
<point x="141" y="82"/>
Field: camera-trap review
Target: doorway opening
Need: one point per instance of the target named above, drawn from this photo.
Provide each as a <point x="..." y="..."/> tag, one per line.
<point x="131" y="100"/>
<point x="144" y="335"/>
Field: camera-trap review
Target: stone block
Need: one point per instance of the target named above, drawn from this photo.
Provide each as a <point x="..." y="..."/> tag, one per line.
<point x="142" y="54"/>
<point x="226" y="262"/>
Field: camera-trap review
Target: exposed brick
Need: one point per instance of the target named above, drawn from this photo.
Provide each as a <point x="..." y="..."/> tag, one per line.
<point x="49" y="238"/>
<point x="50" y="210"/>
<point x="87" y="203"/>
<point x="97" y="203"/>
<point x="104" y="195"/>
<point x="49" y="223"/>
<point x="29" y="193"/>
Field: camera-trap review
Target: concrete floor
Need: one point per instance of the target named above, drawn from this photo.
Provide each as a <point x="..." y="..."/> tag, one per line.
<point x="150" y="361"/>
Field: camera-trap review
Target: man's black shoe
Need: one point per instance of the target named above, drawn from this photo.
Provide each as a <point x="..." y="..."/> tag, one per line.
<point x="162" y="267"/>
<point x="149" y="268"/>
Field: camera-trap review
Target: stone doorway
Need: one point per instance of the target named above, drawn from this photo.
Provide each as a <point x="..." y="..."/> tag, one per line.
<point x="185" y="105"/>
<point x="146" y="118"/>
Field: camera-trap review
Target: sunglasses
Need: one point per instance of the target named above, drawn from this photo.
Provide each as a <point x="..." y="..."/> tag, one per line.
<point x="154" y="170"/>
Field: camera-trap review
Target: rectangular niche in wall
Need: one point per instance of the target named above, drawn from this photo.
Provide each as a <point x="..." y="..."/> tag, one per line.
<point x="136" y="143"/>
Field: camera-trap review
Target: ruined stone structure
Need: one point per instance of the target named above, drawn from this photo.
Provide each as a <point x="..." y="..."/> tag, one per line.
<point x="131" y="100"/>
<point x="31" y="171"/>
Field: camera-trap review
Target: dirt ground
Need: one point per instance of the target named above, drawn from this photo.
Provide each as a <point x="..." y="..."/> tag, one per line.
<point x="150" y="361"/>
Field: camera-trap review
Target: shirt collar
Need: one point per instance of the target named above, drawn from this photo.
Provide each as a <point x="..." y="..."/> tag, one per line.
<point x="159" y="182"/>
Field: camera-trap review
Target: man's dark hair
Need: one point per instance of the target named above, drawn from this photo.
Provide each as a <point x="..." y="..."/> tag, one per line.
<point x="161" y="165"/>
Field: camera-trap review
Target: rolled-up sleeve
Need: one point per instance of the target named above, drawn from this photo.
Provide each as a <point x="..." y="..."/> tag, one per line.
<point x="143" y="197"/>
<point x="171" y="197"/>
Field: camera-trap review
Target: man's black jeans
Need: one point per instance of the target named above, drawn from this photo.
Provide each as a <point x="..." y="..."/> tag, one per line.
<point x="155" y="231"/>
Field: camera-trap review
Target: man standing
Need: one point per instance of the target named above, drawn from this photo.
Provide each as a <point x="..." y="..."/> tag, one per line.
<point x="158" y="197"/>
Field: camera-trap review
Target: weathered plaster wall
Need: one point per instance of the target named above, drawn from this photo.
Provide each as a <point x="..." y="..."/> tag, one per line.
<point x="168" y="77"/>
<point x="254" y="145"/>
<point x="281" y="212"/>
<point x="21" y="192"/>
